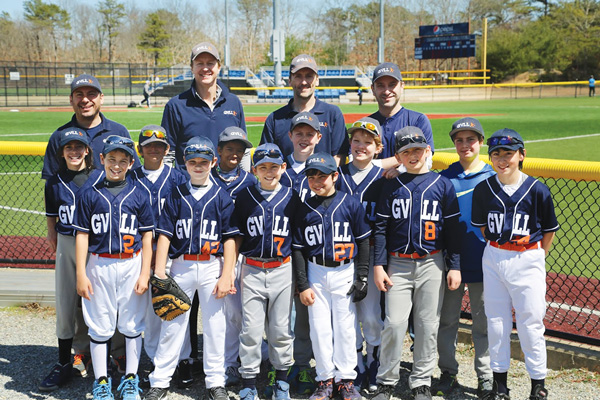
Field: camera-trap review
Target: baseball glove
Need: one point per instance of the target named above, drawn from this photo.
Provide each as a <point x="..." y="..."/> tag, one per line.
<point x="168" y="300"/>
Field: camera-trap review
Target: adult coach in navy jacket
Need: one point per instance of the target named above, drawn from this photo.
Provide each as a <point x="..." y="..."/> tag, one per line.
<point x="86" y="99"/>
<point x="206" y="108"/>
<point x="304" y="78"/>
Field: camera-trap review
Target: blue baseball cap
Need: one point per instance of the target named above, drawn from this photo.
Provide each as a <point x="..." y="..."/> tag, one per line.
<point x="505" y="139"/>
<point x="387" y="69"/>
<point x="85" y="80"/>
<point x="199" y="146"/>
<point x="307" y="118"/>
<point x="234" y="133"/>
<point x="467" y="124"/>
<point x="116" y="142"/>
<point x="68" y="135"/>
<point x="267" y="152"/>
<point x="409" y="137"/>
<point x="323" y="162"/>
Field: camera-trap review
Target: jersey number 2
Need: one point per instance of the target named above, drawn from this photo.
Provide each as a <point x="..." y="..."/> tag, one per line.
<point x="128" y="243"/>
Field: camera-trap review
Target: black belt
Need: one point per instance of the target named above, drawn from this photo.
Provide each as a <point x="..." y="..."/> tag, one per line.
<point x="328" y="263"/>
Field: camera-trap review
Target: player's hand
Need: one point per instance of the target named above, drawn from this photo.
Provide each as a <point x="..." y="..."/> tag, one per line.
<point x="382" y="280"/>
<point x="307" y="297"/>
<point x="453" y="279"/>
<point x="51" y="239"/>
<point x="359" y="288"/>
<point x="84" y="287"/>
<point x="223" y="287"/>
<point x="391" y="173"/>
<point x="141" y="285"/>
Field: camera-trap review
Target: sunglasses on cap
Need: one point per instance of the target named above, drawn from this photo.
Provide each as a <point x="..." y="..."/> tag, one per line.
<point x="199" y="149"/>
<point x="115" y="139"/>
<point x="503" y="140"/>
<point x="260" y="155"/>
<point x="412" y="138"/>
<point x="158" y="134"/>
<point x="366" y="125"/>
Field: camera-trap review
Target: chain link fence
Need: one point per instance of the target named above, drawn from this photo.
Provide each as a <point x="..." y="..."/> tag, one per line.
<point x="573" y="288"/>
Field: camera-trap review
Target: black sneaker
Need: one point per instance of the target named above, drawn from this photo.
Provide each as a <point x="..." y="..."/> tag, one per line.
<point x="156" y="393"/>
<point x="184" y="374"/>
<point x="218" y="393"/>
<point x="445" y="385"/>
<point x="383" y="392"/>
<point x="58" y="376"/>
<point x="422" y="393"/>
<point x="485" y="388"/>
<point x="145" y="379"/>
<point x="541" y="393"/>
<point x="499" y="396"/>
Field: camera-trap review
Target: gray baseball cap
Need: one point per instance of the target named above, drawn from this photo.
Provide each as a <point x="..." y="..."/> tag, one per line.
<point x="303" y="61"/>
<point x="409" y="137"/>
<point x="234" y="133"/>
<point x="387" y="69"/>
<point x="307" y="118"/>
<point x="205" y="47"/>
<point x="467" y="124"/>
<point x="368" y="124"/>
<point x="153" y="133"/>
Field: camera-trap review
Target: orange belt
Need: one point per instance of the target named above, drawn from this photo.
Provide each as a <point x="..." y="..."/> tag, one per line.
<point x="516" y="247"/>
<point x="120" y="256"/>
<point x="196" y="257"/>
<point x="267" y="264"/>
<point x="413" y="255"/>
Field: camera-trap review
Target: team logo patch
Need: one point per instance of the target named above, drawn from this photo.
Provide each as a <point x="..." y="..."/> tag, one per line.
<point x="230" y="112"/>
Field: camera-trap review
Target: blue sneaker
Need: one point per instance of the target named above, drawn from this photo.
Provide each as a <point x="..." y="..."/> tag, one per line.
<point x="58" y="376"/>
<point x="372" y="378"/>
<point x="360" y="380"/>
<point x="281" y="391"/>
<point x="102" y="389"/>
<point x="248" y="394"/>
<point x="129" y="388"/>
<point x="270" y="382"/>
<point x="306" y="383"/>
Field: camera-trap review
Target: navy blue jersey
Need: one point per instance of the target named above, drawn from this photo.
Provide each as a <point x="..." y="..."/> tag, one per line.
<point x="401" y="119"/>
<point x="417" y="214"/>
<point x="330" y="233"/>
<point x="114" y="223"/>
<point x="186" y="116"/>
<point x="472" y="243"/>
<point x="521" y="218"/>
<point x="235" y="187"/>
<point x="96" y="136"/>
<point x="60" y="197"/>
<point x="298" y="182"/>
<point x="265" y="224"/>
<point x="367" y="192"/>
<point x="334" y="138"/>
<point x="197" y="226"/>
<point x="158" y="191"/>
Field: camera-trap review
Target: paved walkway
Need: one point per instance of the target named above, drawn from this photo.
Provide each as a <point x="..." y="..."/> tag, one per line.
<point x="19" y="286"/>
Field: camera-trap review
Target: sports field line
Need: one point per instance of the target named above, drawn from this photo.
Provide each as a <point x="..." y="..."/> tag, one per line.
<point x="22" y="210"/>
<point x="567" y="307"/>
<point x="541" y="140"/>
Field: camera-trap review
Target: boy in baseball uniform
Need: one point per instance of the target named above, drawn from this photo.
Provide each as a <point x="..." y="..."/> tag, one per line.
<point x="417" y="218"/>
<point x="465" y="174"/>
<point x="114" y="222"/>
<point x="363" y="179"/>
<point x="331" y="263"/>
<point x="195" y="233"/>
<point x="516" y="215"/>
<point x="264" y="213"/>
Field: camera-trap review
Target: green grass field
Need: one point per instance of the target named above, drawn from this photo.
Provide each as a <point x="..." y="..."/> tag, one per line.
<point x="548" y="126"/>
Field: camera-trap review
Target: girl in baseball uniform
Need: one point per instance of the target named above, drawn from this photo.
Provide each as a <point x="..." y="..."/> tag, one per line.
<point x="516" y="215"/>
<point x="331" y="263"/>
<point x="76" y="171"/>
<point x="114" y="223"/>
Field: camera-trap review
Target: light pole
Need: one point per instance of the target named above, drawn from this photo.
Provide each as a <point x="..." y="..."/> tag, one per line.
<point x="381" y="49"/>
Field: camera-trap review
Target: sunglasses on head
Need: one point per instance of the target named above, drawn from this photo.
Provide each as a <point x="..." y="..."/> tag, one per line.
<point x="158" y="134"/>
<point x="502" y="140"/>
<point x="412" y="138"/>
<point x="115" y="139"/>
<point x="366" y="125"/>
<point x="197" y="149"/>
<point x="262" y="154"/>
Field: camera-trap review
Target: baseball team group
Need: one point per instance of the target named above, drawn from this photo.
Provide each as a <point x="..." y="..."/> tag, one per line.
<point x="324" y="242"/>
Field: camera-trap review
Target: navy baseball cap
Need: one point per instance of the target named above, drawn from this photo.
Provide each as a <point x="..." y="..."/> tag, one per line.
<point x="505" y="139"/>
<point x="116" y="142"/>
<point x="303" y="61"/>
<point x="307" y="118"/>
<point x="68" y="135"/>
<point x="467" y="124"/>
<point x="267" y="152"/>
<point x="205" y="47"/>
<point x="153" y="133"/>
<point x="409" y="137"/>
<point x="234" y="133"/>
<point x="199" y="146"/>
<point x="85" y="80"/>
<point x="387" y="69"/>
<point x="323" y="162"/>
<point x="368" y="124"/>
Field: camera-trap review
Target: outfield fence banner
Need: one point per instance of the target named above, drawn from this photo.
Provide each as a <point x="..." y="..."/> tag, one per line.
<point x="573" y="279"/>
